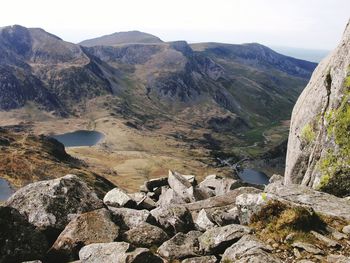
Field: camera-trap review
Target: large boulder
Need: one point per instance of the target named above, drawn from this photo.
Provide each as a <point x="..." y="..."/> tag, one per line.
<point x="181" y="246"/>
<point x="322" y="203"/>
<point x="49" y="205"/>
<point x="118" y="198"/>
<point x="318" y="144"/>
<point x="173" y="218"/>
<point x="19" y="240"/>
<point x="216" y="240"/>
<point x="168" y="197"/>
<point x="249" y="249"/>
<point x="128" y="218"/>
<point x="116" y="252"/>
<point x="214" y="185"/>
<point x="181" y="186"/>
<point x="91" y="227"/>
<point x="145" y="235"/>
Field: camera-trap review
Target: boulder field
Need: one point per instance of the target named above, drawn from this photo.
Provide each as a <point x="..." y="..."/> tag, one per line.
<point x="174" y="219"/>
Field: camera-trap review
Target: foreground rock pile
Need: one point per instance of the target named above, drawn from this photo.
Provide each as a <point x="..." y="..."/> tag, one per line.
<point x="174" y="219"/>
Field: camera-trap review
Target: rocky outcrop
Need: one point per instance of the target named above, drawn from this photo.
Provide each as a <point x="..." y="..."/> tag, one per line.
<point x="49" y="205"/>
<point x="318" y="146"/>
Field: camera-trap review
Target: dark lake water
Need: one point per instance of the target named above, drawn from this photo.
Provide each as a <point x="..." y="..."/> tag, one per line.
<point x="253" y="177"/>
<point x="79" y="138"/>
<point x="5" y="190"/>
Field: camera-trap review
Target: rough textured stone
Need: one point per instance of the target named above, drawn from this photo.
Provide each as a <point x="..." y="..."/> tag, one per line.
<point x="327" y="241"/>
<point x="181" y="186"/>
<point x="214" y="185"/>
<point x="322" y="203"/>
<point x="118" y="198"/>
<point x="173" y="218"/>
<point x="216" y="240"/>
<point x="19" y="240"/>
<point x="338" y="259"/>
<point x="128" y="218"/>
<point x="180" y="246"/>
<point x="204" y="221"/>
<point x="205" y="259"/>
<point x="346" y="230"/>
<point x="92" y="227"/>
<point x="143" y="201"/>
<point x="310" y="140"/>
<point x="50" y="204"/>
<point x="308" y="247"/>
<point x="116" y="252"/>
<point x="249" y="249"/>
<point x="145" y="235"/>
<point x="168" y="197"/>
<point x="156" y="183"/>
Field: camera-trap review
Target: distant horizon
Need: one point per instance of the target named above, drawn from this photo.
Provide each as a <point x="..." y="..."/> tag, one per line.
<point x="312" y="24"/>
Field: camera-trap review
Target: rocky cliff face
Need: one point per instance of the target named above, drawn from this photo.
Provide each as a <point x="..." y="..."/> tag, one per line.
<point x="318" y="148"/>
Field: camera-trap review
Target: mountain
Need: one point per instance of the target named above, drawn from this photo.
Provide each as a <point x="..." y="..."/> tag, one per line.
<point x="129" y="37"/>
<point x="203" y="100"/>
<point x="318" y="147"/>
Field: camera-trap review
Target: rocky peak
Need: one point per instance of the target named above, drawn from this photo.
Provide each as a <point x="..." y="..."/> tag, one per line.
<point x="318" y="147"/>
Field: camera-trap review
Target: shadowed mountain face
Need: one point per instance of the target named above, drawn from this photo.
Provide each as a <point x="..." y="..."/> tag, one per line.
<point x="227" y="88"/>
<point x="130" y="37"/>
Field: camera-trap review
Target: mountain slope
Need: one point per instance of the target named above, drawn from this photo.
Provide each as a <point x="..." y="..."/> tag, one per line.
<point x="129" y="37"/>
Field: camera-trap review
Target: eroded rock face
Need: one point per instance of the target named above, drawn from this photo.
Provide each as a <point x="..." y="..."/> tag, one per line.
<point x="92" y="227"/>
<point x="249" y="249"/>
<point x="216" y="240"/>
<point x="19" y="240"/>
<point x="181" y="246"/>
<point x="318" y="145"/>
<point x="116" y="252"/>
<point x="145" y="235"/>
<point x="50" y="204"/>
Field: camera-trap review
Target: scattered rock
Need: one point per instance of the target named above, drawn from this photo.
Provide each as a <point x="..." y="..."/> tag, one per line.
<point x="118" y="198"/>
<point x="217" y="239"/>
<point x="143" y="201"/>
<point x="338" y="259"/>
<point x="225" y="215"/>
<point x="181" y="246"/>
<point x="308" y="247"/>
<point x="92" y="227"/>
<point x="276" y="178"/>
<point x="249" y="249"/>
<point x="168" y="197"/>
<point x="145" y="235"/>
<point x="156" y="183"/>
<point x="205" y="259"/>
<point x="214" y="185"/>
<point x="173" y="218"/>
<point x="19" y="240"/>
<point x="50" y="204"/>
<point x="118" y="252"/>
<point x="327" y="241"/>
<point x="204" y="221"/>
<point x="346" y="230"/>
<point x="181" y="186"/>
<point x="128" y="218"/>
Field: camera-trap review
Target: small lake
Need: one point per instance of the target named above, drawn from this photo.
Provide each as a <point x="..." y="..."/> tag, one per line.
<point x="79" y="138"/>
<point x="253" y="177"/>
<point x="5" y="190"/>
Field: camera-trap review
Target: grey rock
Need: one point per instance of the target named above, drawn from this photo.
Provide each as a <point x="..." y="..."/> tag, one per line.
<point x="204" y="221"/>
<point x="205" y="259"/>
<point x="249" y="249"/>
<point x="128" y="218"/>
<point x="118" y="198"/>
<point x="52" y="203"/>
<point x="181" y="186"/>
<point x="308" y="247"/>
<point x="145" y="235"/>
<point x="322" y="203"/>
<point x="327" y="241"/>
<point x="225" y="215"/>
<point x="91" y="227"/>
<point x="19" y="239"/>
<point x="338" y="259"/>
<point x="143" y="201"/>
<point x="217" y="239"/>
<point x="276" y="178"/>
<point x="116" y="252"/>
<point x="156" y="183"/>
<point x="173" y="218"/>
<point x="168" y="197"/>
<point x="346" y="229"/>
<point x="180" y="246"/>
<point x="215" y="185"/>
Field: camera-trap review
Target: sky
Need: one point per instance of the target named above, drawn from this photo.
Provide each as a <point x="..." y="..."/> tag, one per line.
<point x="311" y="24"/>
